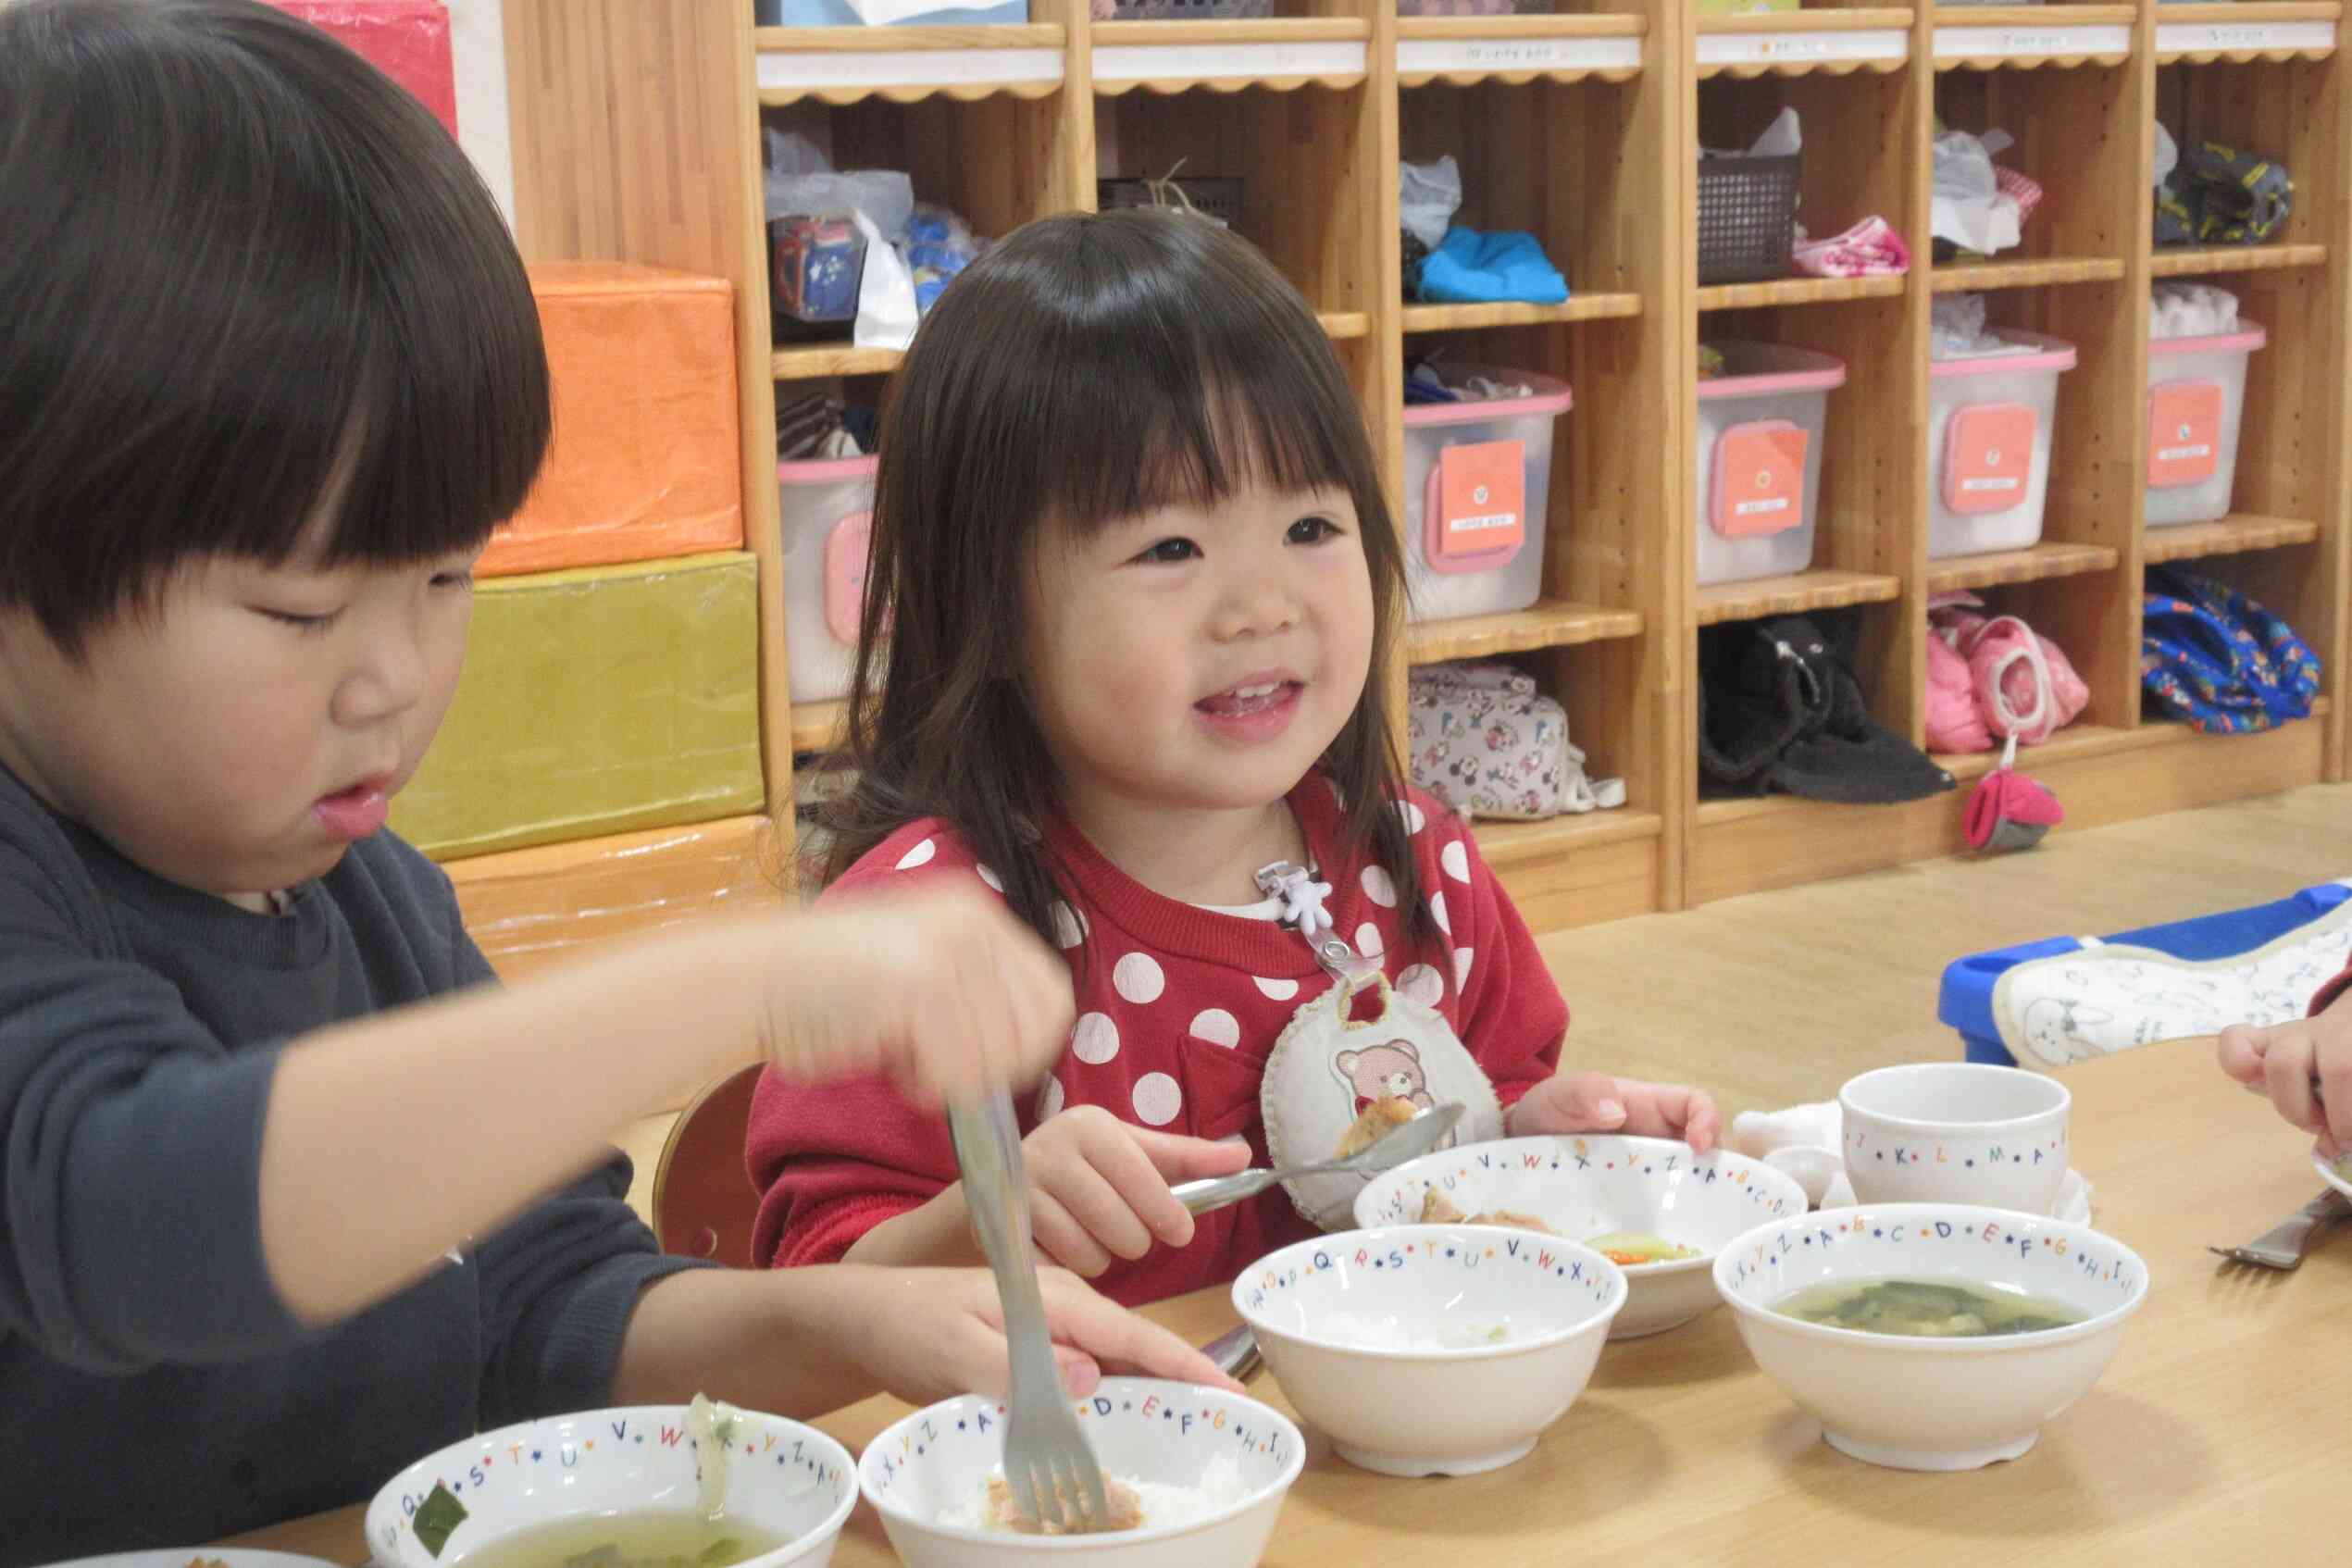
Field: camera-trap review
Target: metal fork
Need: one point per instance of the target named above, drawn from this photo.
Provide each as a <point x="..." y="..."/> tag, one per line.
<point x="2283" y="1247"/>
<point x="1048" y="1462"/>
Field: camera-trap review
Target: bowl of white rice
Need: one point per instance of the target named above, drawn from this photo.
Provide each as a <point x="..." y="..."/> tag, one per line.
<point x="1206" y="1470"/>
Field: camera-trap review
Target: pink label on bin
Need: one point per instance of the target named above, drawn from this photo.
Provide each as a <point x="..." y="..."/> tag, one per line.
<point x="1988" y="458"/>
<point x="1475" y="510"/>
<point x="845" y="551"/>
<point x="2184" y="433"/>
<point x="1759" y="480"/>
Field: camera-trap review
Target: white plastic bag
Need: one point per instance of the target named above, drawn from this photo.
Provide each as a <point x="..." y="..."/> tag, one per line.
<point x="2168" y="155"/>
<point x="1428" y="195"/>
<point x="886" y="312"/>
<point x="884" y="195"/>
<point x="1967" y="206"/>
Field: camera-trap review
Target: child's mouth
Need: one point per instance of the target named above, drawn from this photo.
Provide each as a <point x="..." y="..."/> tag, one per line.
<point x="1241" y="701"/>
<point x="355" y="813"/>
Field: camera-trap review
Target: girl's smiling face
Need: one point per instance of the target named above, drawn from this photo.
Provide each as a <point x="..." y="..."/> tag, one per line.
<point x="1198" y="657"/>
<point x="240" y="731"/>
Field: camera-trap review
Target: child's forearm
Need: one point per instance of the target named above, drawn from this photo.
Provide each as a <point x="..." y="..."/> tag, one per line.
<point x="782" y="1341"/>
<point x="938" y="1234"/>
<point x="441" y="1121"/>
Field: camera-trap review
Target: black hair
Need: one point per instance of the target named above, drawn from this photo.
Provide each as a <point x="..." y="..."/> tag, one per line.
<point x="1089" y="368"/>
<point x="246" y="274"/>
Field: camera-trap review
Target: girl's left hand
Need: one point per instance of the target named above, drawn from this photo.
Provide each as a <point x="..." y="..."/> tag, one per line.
<point x="1598" y="1102"/>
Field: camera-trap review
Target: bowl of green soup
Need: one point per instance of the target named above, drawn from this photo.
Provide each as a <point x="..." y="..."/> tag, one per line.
<point x="1931" y="1335"/>
<point x="700" y="1486"/>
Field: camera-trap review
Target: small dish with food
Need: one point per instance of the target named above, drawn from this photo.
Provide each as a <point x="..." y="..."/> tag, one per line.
<point x="643" y="1487"/>
<point x="1931" y="1335"/>
<point x="1431" y="1350"/>
<point x="1658" y="1210"/>
<point x="1196" y="1478"/>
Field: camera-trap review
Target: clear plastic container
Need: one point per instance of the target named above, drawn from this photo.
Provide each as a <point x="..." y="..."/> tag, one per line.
<point x="1477" y="476"/>
<point x="828" y="509"/>
<point x="1761" y="427"/>
<point x="1990" y="423"/>
<point x="2196" y="396"/>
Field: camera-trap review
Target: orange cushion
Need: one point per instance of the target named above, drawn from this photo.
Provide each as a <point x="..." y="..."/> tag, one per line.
<point x="645" y="463"/>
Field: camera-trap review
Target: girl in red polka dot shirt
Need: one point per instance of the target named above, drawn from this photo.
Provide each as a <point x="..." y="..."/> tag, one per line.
<point x="1134" y="569"/>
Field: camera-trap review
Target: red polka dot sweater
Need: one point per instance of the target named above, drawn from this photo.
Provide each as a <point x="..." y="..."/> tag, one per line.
<point x="1178" y="1007"/>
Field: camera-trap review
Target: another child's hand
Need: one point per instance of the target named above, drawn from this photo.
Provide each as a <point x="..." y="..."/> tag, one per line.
<point x="938" y="984"/>
<point x="1098" y="1186"/>
<point x="1598" y="1102"/>
<point x="932" y="1334"/>
<point x="2304" y="1067"/>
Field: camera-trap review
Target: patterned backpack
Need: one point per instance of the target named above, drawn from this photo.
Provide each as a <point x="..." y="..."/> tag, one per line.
<point x="2218" y="660"/>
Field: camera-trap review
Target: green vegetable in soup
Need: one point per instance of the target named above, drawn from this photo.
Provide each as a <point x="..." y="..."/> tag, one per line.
<point x="1925" y="1309"/>
<point x="631" y="1540"/>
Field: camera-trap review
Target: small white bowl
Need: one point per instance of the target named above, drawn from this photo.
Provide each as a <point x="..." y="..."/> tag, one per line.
<point x="1956" y="1132"/>
<point x="1928" y="1403"/>
<point x="2331" y="1175"/>
<point x="1378" y="1338"/>
<point x="784" y="1477"/>
<point x="935" y="1464"/>
<point x="1587" y="1186"/>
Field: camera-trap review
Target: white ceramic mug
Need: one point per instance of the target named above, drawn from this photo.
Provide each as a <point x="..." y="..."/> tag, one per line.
<point x="1956" y="1132"/>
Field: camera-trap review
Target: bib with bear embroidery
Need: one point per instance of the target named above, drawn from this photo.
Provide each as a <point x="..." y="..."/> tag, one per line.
<point x="1336" y="1081"/>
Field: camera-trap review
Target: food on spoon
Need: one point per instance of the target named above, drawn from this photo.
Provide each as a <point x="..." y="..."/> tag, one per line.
<point x="1379" y="1119"/>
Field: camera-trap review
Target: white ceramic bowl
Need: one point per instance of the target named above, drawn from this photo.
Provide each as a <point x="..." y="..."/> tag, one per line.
<point x="1956" y="1132"/>
<point x="936" y="1465"/>
<point x="1583" y="1186"/>
<point x="783" y="1477"/>
<point x="1932" y="1404"/>
<point x="2331" y="1175"/>
<point x="1380" y="1338"/>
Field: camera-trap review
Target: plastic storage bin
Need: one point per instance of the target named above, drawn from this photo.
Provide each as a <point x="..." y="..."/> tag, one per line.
<point x="2196" y="394"/>
<point x="1476" y="479"/>
<point x="1761" y="427"/>
<point x="1989" y="419"/>
<point x="828" y="509"/>
<point x="1747" y="218"/>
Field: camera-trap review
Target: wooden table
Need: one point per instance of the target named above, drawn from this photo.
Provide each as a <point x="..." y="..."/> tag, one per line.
<point x="2221" y="1432"/>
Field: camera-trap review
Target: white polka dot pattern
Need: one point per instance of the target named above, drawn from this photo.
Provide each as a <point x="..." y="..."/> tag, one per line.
<point x="1095" y="1040"/>
<point x="1217" y="1026"/>
<point x="1157" y="1100"/>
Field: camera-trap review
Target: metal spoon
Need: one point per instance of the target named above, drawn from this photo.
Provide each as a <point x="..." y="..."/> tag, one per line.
<point x="1392" y="1148"/>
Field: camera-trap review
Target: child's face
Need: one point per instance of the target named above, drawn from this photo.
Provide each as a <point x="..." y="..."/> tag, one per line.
<point x="242" y="733"/>
<point x="1200" y="659"/>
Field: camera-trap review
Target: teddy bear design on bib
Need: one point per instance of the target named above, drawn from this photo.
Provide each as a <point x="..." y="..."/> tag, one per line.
<point x="1335" y="1083"/>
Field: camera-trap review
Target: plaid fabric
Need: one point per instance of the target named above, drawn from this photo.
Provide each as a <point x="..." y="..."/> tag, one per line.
<point x="2025" y="192"/>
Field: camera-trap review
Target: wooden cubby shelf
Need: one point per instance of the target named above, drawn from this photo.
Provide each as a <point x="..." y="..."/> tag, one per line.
<point x="1820" y="589"/>
<point x="1280" y="54"/>
<point x="812" y="362"/>
<point x="2202" y="261"/>
<point x="2232" y="535"/>
<point x="1469" y="317"/>
<point x="1832" y="42"/>
<point x="842" y="65"/>
<point x="1548" y="623"/>
<point x="639" y="133"/>
<point x="1499" y="841"/>
<point x="2029" y="37"/>
<point x="817" y="726"/>
<point x="2256" y="30"/>
<point x="2036" y="565"/>
<point x="1975" y="276"/>
<point x="1798" y="290"/>
<point x="1460" y="51"/>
